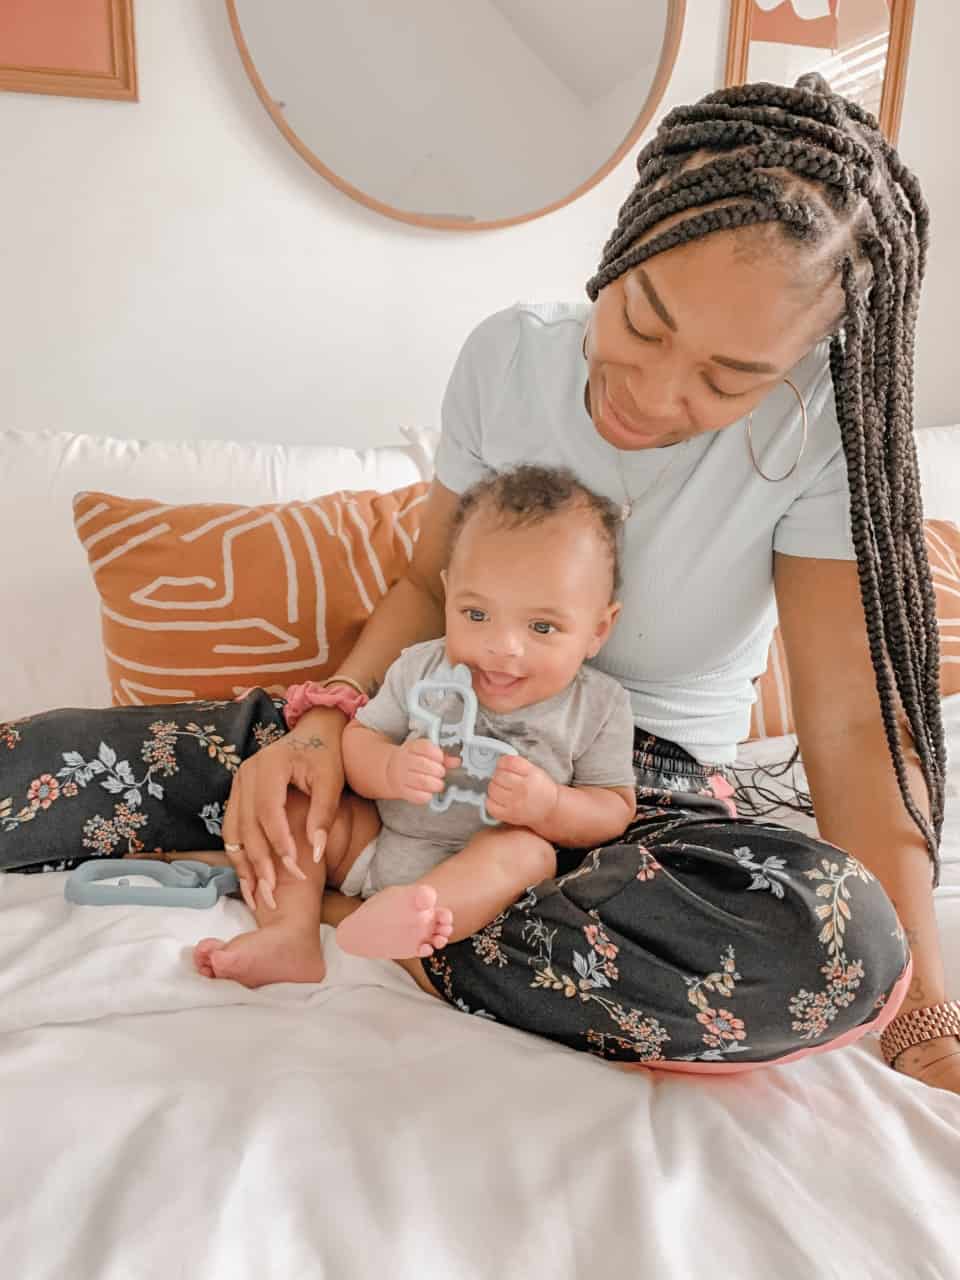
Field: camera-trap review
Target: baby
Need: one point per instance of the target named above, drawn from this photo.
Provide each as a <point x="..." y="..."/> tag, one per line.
<point x="530" y="594"/>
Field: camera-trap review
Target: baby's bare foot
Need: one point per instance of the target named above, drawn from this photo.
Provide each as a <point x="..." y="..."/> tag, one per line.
<point x="399" y="923"/>
<point x="276" y="953"/>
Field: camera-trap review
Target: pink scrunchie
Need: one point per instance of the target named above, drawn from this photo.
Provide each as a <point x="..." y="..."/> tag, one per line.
<point x="303" y="697"/>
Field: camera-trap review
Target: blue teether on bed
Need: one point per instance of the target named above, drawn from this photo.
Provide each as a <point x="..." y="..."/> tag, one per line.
<point x="478" y="753"/>
<point x="180" y="884"/>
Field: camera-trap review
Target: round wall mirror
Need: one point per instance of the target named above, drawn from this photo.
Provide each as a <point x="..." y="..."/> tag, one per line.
<point x="465" y="115"/>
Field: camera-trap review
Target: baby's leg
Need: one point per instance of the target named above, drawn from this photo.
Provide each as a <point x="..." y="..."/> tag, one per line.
<point x="457" y="898"/>
<point x="286" y="946"/>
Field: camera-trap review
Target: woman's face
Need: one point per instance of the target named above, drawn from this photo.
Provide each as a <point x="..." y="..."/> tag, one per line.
<point x="692" y="339"/>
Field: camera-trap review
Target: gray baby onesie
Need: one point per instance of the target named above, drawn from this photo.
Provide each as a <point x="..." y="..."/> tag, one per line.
<point x="582" y="736"/>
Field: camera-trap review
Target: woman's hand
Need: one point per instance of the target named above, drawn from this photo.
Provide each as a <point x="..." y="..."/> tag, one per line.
<point x="416" y="770"/>
<point x="255" y="825"/>
<point x="937" y="1063"/>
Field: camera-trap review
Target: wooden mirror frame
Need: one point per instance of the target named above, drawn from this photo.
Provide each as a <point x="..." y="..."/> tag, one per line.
<point x="673" y="28"/>
<point x="894" y="75"/>
<point x="119" y="84"/>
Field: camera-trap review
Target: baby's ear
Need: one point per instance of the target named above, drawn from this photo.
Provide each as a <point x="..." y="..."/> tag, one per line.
<point x="603" y="628"/>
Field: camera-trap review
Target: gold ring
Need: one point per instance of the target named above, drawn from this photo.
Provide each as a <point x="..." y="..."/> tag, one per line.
<point x="232" y="848"/>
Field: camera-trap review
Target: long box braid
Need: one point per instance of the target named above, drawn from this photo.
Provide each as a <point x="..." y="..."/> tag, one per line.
<point x="818" y="167"/>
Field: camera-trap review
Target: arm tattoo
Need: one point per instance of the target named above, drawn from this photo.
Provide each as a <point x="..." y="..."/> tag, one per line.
<point x="306" y="744"/>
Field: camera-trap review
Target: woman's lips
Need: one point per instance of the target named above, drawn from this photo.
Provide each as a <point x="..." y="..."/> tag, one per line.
<point x="621" y="424"/>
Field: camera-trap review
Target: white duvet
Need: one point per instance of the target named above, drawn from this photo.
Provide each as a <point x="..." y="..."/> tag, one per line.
<point x="154" y="1124"/>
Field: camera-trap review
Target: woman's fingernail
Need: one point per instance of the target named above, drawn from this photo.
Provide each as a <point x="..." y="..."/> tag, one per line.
<point x="266" y="893"/>
<point x="248" y="897"/>
<point x="319" y="844"/>
<point x="291" y="865"/>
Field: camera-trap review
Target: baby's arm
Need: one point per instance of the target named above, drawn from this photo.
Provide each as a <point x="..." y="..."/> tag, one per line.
<point x="523" y="795"/>
<point x="601" y="801"/>
<point x="377" y="768"/>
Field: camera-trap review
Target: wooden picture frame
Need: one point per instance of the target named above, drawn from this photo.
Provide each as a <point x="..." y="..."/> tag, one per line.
<point x="895" y="72"/>
<point x="71" y="48"/>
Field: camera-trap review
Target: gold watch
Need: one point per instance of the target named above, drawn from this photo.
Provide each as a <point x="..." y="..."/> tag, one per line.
<point x="908" y="1029"/>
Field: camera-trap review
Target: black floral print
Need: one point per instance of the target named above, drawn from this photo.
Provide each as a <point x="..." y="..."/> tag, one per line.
<point x="697" y="938"/>
<point x="81" y="784"/>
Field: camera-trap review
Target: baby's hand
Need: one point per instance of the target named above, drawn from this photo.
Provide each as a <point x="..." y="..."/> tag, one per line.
<point x="416" y="771"/>
<point x="520" y="793"/>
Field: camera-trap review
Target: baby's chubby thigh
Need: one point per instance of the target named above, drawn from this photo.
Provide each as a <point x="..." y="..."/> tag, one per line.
<point x="356" y="823"/>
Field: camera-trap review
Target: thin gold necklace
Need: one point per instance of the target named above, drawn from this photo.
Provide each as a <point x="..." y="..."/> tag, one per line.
<point x="631" y="499"/>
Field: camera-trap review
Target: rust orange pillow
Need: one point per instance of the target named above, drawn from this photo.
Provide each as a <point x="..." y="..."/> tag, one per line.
<point x="773" y="713"/>
<point x="205" y="600"/>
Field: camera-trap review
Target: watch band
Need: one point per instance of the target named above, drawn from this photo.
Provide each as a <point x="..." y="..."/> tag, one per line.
<point x="918" y="1025"/>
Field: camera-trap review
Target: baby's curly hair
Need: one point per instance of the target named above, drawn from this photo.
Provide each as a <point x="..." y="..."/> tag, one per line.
<point x="529" y="495"/>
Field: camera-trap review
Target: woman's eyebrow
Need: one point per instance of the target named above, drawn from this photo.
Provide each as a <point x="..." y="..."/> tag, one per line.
<point x="745" y="366"/>
<point x="657" y="303"/>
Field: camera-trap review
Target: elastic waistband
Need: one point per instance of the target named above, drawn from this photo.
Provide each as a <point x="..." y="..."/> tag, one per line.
<point x="659" y="755"/>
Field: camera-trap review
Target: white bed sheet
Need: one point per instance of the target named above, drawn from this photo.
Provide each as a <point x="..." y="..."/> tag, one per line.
<point x="154" y="1124"/>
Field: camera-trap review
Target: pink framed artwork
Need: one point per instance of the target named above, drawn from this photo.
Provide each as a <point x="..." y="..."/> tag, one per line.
<point x="77" y="48"/>
<point x="860" y="47"/>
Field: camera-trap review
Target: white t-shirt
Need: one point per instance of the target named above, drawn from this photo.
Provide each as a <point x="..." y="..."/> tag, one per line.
<point x="698" y="601"/>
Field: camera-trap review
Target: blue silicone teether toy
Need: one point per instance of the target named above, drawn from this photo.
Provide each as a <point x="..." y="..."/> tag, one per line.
<point x="478" y="753"/>
<point x="180" y="884"/>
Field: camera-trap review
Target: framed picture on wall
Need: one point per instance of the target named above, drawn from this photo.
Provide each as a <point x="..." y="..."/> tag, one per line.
<point x="860" y="47"/>
<point x="77" y="48"/>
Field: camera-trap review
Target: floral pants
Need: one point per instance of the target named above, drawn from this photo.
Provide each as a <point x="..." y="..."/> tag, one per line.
<point x="80" y="784"/>
<point x="698" y="941"/>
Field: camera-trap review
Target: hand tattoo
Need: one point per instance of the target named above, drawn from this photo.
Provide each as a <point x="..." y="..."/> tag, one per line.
<point x="306" y="744"/>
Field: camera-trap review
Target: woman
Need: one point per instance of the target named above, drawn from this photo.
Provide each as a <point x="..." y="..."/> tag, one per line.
<point x="772" y="235"/>
<point x="742" y="386"/>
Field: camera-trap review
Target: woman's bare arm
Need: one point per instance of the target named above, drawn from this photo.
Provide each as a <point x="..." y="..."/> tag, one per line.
<point x="256" y="824"/>
<point x="412" y="610"/>
<point x="844" y="749"/>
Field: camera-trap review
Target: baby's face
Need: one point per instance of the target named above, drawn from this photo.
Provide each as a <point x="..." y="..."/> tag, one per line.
<point x="526" y="606"/>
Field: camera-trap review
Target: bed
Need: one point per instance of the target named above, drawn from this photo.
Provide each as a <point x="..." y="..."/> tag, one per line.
<point x="156" y="1124"/>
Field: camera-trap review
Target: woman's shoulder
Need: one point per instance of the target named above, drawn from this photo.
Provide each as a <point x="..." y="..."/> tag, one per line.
<point x="526" y="328"/>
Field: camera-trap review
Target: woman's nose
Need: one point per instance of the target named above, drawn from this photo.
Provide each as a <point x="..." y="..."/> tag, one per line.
<point x="655" y="393"/>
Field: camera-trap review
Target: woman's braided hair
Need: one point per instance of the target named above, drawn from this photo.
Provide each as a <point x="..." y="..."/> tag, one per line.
<point x="818" y="167"/>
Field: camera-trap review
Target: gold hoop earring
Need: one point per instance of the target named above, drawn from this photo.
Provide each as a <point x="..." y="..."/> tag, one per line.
<point x="803" y="443"/>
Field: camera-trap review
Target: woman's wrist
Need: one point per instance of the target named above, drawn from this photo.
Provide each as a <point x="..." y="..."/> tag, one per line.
<point x="319" y="727"/>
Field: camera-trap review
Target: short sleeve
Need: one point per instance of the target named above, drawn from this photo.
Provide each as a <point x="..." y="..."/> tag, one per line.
<point x="817" y="524"/>
<point x="387" y="712"/>
<point x="608" y="759"/>
<point x="474" y="383"/>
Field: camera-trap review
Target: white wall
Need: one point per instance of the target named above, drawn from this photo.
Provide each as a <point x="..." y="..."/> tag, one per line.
<point x="172" y="268"/>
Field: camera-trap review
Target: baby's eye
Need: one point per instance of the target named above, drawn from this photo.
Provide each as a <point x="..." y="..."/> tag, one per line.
<point x="475" y="615"/>
<point x="543" y="628"/>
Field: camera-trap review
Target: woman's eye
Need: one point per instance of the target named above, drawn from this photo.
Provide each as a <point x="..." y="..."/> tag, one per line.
<point x="631" y="329"/>
<point x="543" y="628"/>
<point x="725" y="395"/>
<point x="475" y="615"/>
